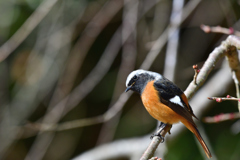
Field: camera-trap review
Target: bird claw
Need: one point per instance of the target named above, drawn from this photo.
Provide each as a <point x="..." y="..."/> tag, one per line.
<point x="157" y="134"/>
<point x="169" y="132"/>
<point x="160" y="128"/>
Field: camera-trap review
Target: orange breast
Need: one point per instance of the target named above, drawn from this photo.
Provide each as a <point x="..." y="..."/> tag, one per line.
<point x="157" y="109"/>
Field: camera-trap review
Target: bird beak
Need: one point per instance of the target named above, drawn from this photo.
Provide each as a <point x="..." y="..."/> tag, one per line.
<point x="128" y="88"/>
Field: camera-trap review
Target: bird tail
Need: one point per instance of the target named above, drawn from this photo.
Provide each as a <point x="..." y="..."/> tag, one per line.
<point x="195" y="131"/>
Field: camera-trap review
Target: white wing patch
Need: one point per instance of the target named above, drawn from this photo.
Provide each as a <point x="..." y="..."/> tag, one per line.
<point x="176" y="100"/>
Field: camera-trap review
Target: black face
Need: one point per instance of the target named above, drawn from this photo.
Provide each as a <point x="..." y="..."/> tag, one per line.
<point x="133" y="80"/>
<point x="138" y="83"/>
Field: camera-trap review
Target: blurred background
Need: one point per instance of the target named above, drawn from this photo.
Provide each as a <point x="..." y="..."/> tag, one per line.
<point x="63" y="69"/>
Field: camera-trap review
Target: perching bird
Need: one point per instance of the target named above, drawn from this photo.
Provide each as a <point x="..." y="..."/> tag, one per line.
<point x="164" y="101"/>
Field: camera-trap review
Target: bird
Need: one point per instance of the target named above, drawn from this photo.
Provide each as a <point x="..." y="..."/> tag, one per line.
<point x="164" y="101"/>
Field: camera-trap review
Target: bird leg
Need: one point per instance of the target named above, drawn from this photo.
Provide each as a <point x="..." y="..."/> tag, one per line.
<point x="160" y="128"/>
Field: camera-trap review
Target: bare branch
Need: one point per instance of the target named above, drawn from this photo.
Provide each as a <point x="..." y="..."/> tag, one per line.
<point x="222" y="117"/>
<point x="173" y="40"/>
<point x="22" y="33"/>
<point x="234" y="76"/>
<point x="214" y="56"/>
<point x="218" y="29"/>
<point x="75" y="96"/>
<point x="227" y="98"/>
<point x="129" y="53"/>
<point x="161" y="41"/>
<point x="82" y="46"/>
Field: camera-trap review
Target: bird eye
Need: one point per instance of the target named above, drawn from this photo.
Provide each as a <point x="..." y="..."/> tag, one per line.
<point x="135" y="77"/>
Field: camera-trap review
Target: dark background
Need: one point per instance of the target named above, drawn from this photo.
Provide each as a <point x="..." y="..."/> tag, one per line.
<point x="63" y="49"/>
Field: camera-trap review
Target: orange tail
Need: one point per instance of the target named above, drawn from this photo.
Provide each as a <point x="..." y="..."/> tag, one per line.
<point x="195" y="131"/>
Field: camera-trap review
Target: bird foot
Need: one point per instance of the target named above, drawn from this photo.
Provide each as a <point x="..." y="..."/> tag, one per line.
<point x="159" y="135"/>
<point x="158" y="132"/>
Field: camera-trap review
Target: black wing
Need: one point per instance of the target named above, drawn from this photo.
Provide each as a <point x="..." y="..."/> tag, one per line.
<point x="168" y="90"/>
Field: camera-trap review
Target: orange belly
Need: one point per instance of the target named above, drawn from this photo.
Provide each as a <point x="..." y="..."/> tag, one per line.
<point x="157" y="109"/>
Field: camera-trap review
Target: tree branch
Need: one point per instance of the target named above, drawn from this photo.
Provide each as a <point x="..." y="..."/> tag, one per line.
<point x="210" y="63"/>
<point x="8" y="47"/>
<point x="222" y="117"/>
<point x="219" y="29"/>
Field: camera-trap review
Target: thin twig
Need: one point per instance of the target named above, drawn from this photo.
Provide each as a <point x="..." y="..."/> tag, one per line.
<point x="54" y="47"/>
<point x="23" y="106"/>
<point x="43" y="127"/>
<point x="220" y="99"/>
<point x="192" y="88"/>
<point x="22" y="33"/>
<point x="173" y="40"/>
<point x="75" y="96"/>
<point x="214" y="56"/>
<point x="196" y="70"/>
<point x="219" y="29"/>
<point x="129" y="53"/>
<point x="93" y="77"/>
<point x="222" y="117"/>
<point x="116" y="107"/>
<point x="82" y="46"/>
<point x="236" y="86"/>
<point x="161" y="41"/>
